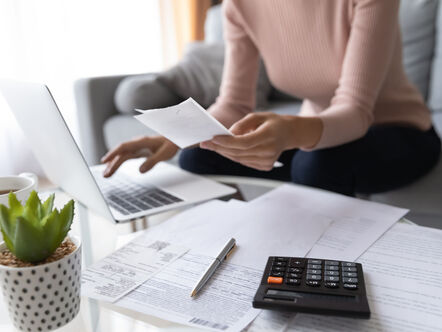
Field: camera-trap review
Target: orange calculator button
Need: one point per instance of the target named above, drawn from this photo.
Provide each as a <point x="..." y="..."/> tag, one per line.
<point x="274" y="280"/>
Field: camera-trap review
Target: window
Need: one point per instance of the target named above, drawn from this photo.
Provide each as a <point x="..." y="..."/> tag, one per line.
<point x="58" y="41"/>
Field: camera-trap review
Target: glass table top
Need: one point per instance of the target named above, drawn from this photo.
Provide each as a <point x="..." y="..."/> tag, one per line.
<point x="101" y="237"/>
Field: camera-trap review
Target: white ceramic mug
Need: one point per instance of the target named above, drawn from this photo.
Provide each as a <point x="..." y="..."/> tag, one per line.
<point x="22" y="185"/>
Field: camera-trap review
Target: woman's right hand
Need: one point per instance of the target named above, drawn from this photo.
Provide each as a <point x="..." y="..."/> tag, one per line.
<point x="155" y="149"/>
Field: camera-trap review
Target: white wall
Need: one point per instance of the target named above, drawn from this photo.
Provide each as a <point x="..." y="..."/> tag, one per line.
<point x="57" y="41"/>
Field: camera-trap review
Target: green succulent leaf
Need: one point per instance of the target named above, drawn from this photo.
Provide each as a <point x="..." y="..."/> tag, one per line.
<point x="66" y="217"/>
<point x="5" y="226"/>
<point x="15" y="206"/>
<point x="48" y="205"/>
<point x="29" y="242"/>
<point x="34" y="231"/>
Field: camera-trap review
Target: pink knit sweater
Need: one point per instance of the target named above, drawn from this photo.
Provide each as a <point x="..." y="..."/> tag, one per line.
<point x="342" y="57"/>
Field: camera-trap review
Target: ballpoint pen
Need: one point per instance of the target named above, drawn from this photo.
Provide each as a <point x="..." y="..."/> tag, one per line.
<point x="225" y="252"/>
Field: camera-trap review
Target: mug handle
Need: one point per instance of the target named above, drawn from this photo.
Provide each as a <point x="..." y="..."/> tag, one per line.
<point x="32" y="176"/>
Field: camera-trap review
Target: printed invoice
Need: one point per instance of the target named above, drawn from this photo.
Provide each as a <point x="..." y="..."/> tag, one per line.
<point x="128" y="267"/>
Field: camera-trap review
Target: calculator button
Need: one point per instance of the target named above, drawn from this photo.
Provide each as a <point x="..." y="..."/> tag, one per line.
<point x="313" y="271"/>
<point x="331" y="263"/>
<point x="274" y="280"/>
<point x="313" y="277"/>
<point x="350" y="280"/>
<point x="293" y="281"/>
<point x="277" y="274"/>
<point x="295" y="270"/>
<point x="313" y="283"/>
<point x="278" y="269"/>
<point x="351" y="286"/>
<point x="331" y="278"/>
<point x="350" y="274"/>
<point x="331" y="284"/>
<point x="296" y="263"/>
<point x="293" y="275"/>
<point x="348" y="264"/>
<point x="279" y="263"/>
<point x="281" y="259"/>
<point x="314" y="266"/>
<point x="314" y="261"/>
<point x="332" y="273"/>
<point x="348" y="269"/>
<point x="332" y="268"/>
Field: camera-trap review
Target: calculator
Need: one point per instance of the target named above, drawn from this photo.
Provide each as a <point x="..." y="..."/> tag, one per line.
<point x="312" y="285"/>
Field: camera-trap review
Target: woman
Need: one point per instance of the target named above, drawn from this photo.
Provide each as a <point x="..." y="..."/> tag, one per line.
<point x="363" y="128"/>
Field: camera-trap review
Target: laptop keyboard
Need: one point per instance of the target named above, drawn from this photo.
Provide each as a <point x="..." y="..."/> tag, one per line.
<point x="129" y="197"/>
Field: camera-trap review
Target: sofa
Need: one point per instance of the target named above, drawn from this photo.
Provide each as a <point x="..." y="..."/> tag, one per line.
<point x="103" y="126"/>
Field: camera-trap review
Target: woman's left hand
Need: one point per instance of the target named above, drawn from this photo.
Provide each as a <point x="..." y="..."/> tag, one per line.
<point x="259" y="140"/>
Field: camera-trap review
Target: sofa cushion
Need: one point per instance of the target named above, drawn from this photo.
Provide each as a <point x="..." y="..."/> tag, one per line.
<point x="418" y="20"/>
<point x="422" y="197"/>
<point x="437" y="122"/>
<point x="121" y="128"/>
<point x="198" y="75"/>
<point x="435" y="91"/>
<point x="143" y="92"/>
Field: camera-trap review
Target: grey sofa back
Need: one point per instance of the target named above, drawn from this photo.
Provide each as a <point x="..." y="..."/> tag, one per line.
<point x="421" y="22"/>
<point x="435" y="91"/>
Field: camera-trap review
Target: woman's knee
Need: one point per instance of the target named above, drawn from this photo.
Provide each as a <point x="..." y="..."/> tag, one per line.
<point x="322" y="169"/>
<point x="306" y="169"/>
<point x="196" y="160"/>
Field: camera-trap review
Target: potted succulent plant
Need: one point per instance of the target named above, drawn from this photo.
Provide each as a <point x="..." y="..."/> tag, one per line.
<point x="40" y="265"/>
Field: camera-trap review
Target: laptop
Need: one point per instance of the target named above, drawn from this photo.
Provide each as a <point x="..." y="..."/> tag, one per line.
<point x="125" y="196"/>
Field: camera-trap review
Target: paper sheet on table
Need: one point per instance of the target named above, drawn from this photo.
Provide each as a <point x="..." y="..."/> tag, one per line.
<point x="270" y="320"/>
<point x="403" y="273"/>
<point x="357" y="224"/>
<point x="224" y="304"/>
<point x="184" y="124"/>
<point x="127" y="268"/>
<point x="260" y="230"/>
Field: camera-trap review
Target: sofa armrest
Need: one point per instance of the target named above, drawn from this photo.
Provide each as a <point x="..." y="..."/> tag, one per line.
<point x="95" y="104"/>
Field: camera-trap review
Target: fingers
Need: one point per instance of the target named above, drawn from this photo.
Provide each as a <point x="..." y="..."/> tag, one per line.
<point x="114" y="165"/>
<point x="258" y="150"/>
<point x="164" y="152"/>
<point x="247" y="124"/>
<point x="130" y="146"/>
<point x="246" y="141"/>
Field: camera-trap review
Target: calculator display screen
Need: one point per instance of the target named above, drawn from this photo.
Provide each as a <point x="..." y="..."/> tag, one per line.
<point x="313" y="296"/>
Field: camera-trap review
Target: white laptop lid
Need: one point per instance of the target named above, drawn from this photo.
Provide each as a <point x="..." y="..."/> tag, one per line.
<point x="52" y="143"/>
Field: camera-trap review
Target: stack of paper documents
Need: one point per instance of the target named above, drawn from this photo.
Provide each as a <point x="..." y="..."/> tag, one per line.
<point x="404" y="285"/>
<point x="291" y="220"/>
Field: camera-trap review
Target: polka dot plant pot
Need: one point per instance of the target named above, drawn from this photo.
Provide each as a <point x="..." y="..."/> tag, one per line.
<point x="44" y="297"/>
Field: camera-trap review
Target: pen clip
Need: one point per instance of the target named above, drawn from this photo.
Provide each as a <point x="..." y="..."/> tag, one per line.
<point x="230" y="251"/>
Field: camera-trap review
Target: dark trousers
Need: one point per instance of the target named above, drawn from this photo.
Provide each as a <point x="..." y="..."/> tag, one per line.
<point x="386" y="158"/>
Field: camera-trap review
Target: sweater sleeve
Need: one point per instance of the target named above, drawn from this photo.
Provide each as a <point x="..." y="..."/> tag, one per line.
<point x="370" y="49"/>
<point x="240" y="73"/>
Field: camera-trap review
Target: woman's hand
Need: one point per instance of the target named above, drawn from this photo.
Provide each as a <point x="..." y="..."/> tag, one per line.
<point x="260" y="138"/>
<point x="156" y="149"/>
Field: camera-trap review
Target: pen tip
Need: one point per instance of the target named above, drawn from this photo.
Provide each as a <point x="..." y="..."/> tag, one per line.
<point x="193" y="294"/>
